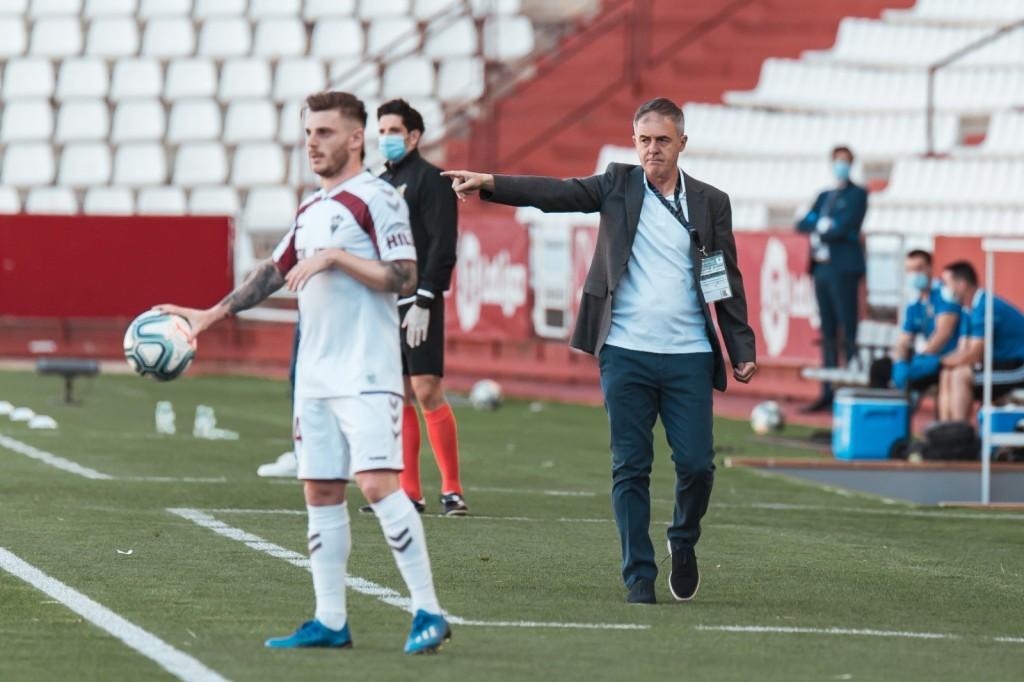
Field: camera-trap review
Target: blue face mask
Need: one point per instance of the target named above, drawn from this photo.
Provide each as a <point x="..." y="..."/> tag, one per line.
<point x="841" y="169"/>
<point x="918" y="281"/>
<point x="392" y="147"/>
<point x="947" y="294"/>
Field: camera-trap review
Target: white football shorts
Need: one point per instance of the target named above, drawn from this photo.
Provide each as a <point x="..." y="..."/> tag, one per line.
<point x="336" y="438"/>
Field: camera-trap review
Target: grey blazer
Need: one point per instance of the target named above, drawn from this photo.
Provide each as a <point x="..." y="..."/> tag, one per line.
<point x="618" y="194"/>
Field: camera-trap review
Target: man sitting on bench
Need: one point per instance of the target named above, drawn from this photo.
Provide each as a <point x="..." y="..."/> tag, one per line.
<point x="959" y="386"/>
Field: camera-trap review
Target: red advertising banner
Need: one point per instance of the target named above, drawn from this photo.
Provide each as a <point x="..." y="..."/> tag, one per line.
<point x="490" y="289"/>
<point x="104" y="266"/>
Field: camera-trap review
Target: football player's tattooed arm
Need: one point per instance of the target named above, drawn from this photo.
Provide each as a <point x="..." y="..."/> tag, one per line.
<point x="398" y="276"/>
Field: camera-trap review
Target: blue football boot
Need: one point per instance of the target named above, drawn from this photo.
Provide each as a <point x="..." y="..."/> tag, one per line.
<point x="313" y="633"/>
<point x="429" y="631"/>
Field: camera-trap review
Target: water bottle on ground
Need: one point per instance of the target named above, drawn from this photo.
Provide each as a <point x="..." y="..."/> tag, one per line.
<point x="165" y="417"/>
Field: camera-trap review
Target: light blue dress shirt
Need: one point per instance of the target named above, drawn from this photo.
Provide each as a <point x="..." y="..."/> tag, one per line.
<point x="655" y="307"/>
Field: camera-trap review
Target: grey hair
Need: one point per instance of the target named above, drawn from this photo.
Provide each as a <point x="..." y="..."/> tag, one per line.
<point x="663" y="107"/>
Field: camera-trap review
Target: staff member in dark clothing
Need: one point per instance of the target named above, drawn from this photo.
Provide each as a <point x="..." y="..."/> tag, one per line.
<point x="665" y="250"/>
<point x="434" y="217"/>
<point x="837" y="264"/>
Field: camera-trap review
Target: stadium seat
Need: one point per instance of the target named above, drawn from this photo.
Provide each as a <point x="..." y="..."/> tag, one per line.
<point x="291" y="129"/>
<point x="458" y="39"/>
<point x="194" y="120"/>
<point x="460" y="79"/>
<point x="43" y="8"/>
<point x="140" y="77"/>
<point x="12" y="37"/>
<point x="280" y="37"/>
<point x="258" y="163"/>
<point x="140" y="164"/>
<point x="56" y="37"/>
<point x="204" y="9"/>
<point x="258" y="9"/>
<point x="409" y="77"/>
<point x="162" y="8"/>
<point x="927" y="221"/>
<point x="106" y="8"/>
<point x="427" y="9"/>
<point x="161" y="201"/>
<point x="358" y="76"/>
<point x="506" y="7"/>
<point x="957" y="12"/>
<point x="955" y="182"/>
<point x="250" y="120"/>
<point x="27" y="164"/>
<point x="321" y="9"/>
<point x="10" y="202"/>
<point x="508" y="38"/>
<point x="82" y="77"/>
<point x="26" y="119"/>
<point x="433" y="116"/>
<point x="51" y="201"/>
<point x="28" y="77"/>
<point x="227" y="36"/>
<point x="108" y="201"/>
<point x="138" y="120"/>
<point x="337" y="37"/>
<point x="82" y="119"/>
<point x="270" y="208"/>
<point x="113" y="37"/>
<point x="297" y="77"/>
<point x="393" y="8"/>
<point x="200" y="163"/>
<point x="14" y="7"/>
<point x="84" y="164"/>
<point x="167" y="37"/>
<point x="193" y="77"/>
<point x="391" y="36"/>
<point x="213" y="201"/>
<point x="1005" y="135"/>
<point x="244" y="78"/>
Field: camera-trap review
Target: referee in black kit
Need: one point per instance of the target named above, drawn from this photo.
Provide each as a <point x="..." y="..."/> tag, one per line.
<point x="434" y="217"/>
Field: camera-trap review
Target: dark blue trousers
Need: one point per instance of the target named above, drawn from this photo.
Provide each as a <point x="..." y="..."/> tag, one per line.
<point x="838" y="296"/>
<point x="295" y="362"/>
<point x="639" y="387"/>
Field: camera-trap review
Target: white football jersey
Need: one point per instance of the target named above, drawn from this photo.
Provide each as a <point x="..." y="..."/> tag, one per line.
<point x="349" y="341"/>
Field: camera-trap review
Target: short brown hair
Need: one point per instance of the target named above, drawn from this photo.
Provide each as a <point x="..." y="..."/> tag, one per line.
<point x="842" y="149"/>
<point x="665" y="107"/>
<point x="348" y="105"/>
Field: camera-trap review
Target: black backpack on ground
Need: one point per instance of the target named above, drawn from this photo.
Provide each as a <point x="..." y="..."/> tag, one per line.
<point x="951" y="441"/>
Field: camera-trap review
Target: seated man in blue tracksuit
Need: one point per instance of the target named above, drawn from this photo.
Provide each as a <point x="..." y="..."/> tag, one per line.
<point x="931" y="319"/>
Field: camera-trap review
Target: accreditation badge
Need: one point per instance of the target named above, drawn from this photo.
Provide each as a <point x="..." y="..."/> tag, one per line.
<point x="714" y="281"/>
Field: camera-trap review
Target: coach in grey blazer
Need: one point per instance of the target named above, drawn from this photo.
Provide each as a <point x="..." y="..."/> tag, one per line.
<point x="644" y="315"/>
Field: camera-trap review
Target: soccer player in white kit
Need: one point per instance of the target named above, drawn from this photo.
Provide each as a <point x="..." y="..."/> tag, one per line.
<point x="348" y="254"/>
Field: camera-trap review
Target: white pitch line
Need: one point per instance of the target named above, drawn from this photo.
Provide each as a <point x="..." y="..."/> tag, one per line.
<point x="362" y="585"/>
<point x="471" y="517"/>
<point x="915" y="513"/>
<point x="172" y="479"/>
<point x="532" y="491"/>
<point x="177" y="663"/>
<point x="854" y="632"/>
<point x="51" y="459"/>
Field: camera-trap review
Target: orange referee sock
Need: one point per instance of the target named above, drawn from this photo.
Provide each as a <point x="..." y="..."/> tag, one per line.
<point x="410" y="476"/>
<point x="444" y="440"/>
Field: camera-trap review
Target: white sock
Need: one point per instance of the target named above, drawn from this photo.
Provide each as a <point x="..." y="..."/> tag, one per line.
<point x="403" y="530"/>
<point x="330" y="541"/>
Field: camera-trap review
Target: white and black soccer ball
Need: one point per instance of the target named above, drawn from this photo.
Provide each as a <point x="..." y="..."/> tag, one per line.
<point x="485" y="395"/>
<point x="767" y="417"/>
<point x="157" y="345"/>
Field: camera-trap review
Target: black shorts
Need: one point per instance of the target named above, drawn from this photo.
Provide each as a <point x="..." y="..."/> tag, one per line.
<point x="428" y="357"/>
<point x="1007" y="377"/>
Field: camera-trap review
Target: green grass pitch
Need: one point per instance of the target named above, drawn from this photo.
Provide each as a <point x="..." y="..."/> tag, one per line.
<point x="775" y="553"/>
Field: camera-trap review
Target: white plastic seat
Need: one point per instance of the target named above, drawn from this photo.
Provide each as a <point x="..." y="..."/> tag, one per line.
<point x="108" y="201"/>
<point x="14" y="7"/>
<point x="296" y="78"/>
<point x="200" y="163"/>
<point x="43" y="8"/>
<point x="27" y="164"/>
<point x="508" y="37"/>
<point x="84" y="164"/>
<point x="106" y="8"/>
<point x="359" y="76"/>
<point x="280" y="37"/>
<point x="491" y="7"/>
<point x="82" y="119"/>
<point x="258" y="9"/>
<point x="113" y="37"/>
<point x="392" y="8"/>
<point x="270" y="208"/>
<point x="28" y="77"/>
<point x="258" y="163"/>
<point x="243" y="79"/>
<point x="167" y="37"/>
<point x="10" y="202"/>
<point x="164" y="8"/>
<point x="12" y="37"/>
<point x="225" y="36"/>
<point x="213" y="201"/>
<point x="161" y="201"/>
<point x="250" y="120"/>
<point x="138" y="120"/>
<point x="140" y="164"/>
<point x="51" y="201"/>
<point x="193" y="120"/>
<point x="82" y="77"/>
<point x="337" y="37"/>
<point x="458" y="39"/>
<point x="26" y="119"/>
<point x="204" y="9"/>
<point x="141" y="77"/>
<point x="409" y="77"/>
<point x="390" y="36"/>
<point x="193" y="77"/>
<point x="320" y="9"/>
<point x="291" y="129"/>
<point x="56" y="37"/>
<point x="460" y="79"/>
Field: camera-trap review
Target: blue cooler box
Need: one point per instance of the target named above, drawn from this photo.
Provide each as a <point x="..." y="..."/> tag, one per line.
<point x="866" y="422"/>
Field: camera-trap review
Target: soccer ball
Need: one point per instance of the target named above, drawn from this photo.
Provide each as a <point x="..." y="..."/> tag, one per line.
<point x="485" y="395"/>
<point x="157" y="345"/>
<point x="767" y="417"/>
